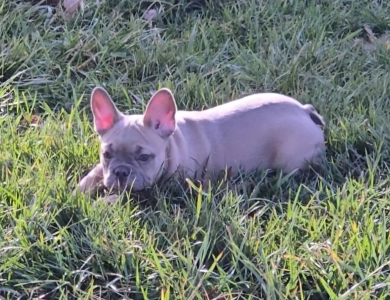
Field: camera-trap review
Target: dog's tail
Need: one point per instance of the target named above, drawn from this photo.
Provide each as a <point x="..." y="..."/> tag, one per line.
<point x="314" y="115"/>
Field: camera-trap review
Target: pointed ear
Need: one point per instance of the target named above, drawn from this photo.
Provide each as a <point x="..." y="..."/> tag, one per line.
<point x="160" y="113"/>
<point x="105" y="113"/>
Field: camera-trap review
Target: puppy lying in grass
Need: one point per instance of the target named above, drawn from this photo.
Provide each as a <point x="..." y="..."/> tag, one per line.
<point x="260" y="131"/>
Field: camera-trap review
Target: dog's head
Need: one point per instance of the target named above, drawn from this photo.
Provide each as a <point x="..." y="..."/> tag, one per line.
<point x="133" y="147"/>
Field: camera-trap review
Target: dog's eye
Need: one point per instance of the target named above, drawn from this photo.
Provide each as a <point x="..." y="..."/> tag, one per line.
<point x="107" y="155"/>
<point x="144" y="157"/>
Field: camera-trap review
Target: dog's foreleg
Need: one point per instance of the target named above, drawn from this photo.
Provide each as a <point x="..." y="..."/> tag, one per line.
<point x="91" y="182"/>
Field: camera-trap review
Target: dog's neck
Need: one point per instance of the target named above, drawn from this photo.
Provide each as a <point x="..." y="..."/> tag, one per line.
<point x="175" y="144"/>
<point x="167" y="164"/>
<point x="183" y="164"/>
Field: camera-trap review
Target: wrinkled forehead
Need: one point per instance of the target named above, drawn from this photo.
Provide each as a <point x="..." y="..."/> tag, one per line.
<point x="129" y="137"/>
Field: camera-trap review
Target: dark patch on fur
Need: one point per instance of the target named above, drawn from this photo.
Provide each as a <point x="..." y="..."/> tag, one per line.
<point x="138" y="150"/>
<point x="314" y="115"/>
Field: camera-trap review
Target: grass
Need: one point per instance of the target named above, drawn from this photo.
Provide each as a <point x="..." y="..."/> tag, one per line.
<point x="318" y="236"/>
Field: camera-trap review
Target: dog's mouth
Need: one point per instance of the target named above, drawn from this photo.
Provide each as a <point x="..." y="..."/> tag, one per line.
<point x="118" y="184"/>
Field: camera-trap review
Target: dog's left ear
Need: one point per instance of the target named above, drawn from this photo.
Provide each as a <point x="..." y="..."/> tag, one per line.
<point x="160" y="113"/>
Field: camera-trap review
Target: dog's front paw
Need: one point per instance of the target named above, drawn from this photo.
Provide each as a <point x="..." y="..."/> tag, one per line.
<point x="92" y="182"/>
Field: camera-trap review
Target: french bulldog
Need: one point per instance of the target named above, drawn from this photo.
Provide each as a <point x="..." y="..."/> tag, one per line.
<point x="259" y="131"/>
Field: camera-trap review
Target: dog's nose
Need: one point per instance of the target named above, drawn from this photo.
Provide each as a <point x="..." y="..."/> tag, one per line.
<point x="122" y="172"/>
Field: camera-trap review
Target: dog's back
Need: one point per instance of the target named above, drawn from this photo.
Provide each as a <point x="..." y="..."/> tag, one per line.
<point x="258" y="131"/>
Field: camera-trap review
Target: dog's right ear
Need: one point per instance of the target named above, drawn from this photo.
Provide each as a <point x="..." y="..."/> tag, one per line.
<point x="105" y="113"/>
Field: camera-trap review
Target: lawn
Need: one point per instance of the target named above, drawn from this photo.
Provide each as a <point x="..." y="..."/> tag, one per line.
<point x="322" y="235"/>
